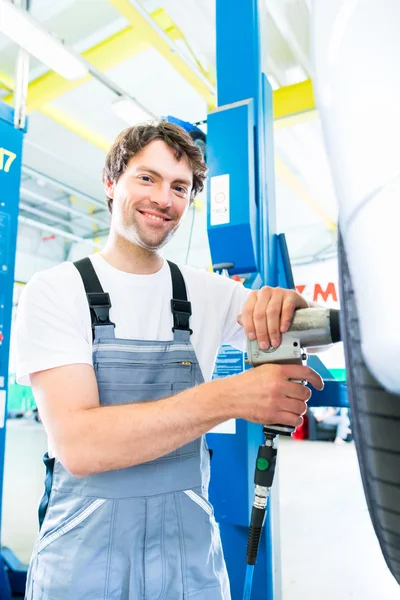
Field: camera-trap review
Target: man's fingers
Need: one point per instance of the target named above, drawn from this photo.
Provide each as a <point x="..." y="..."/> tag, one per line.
<point x="293" y="405"/>
<point x="274" y="310"/>
<point x="260" y="318"/>
<point x="300" y="372"/>
<point x="288" y="418"/>
<point x="288" y="308"/>
<point x="247" y="316"/>
<point x="297" y="391"/>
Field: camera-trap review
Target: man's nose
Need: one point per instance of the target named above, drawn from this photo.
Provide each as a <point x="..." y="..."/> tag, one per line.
<point x="162" y="196"/>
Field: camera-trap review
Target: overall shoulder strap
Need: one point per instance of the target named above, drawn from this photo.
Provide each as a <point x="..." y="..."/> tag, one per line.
<point x="180" y="306"/>
<point x="98" y="300"/>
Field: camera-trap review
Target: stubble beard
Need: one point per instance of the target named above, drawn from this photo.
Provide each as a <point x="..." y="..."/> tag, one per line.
<point x="135" y="233"/>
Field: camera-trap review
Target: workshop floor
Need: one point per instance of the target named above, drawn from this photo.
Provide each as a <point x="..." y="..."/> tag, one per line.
<point x="329" y="550"/>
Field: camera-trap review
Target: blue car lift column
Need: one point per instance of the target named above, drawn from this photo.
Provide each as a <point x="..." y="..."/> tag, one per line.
<point x="12" y="573"/>
<point x="241" y="231"/>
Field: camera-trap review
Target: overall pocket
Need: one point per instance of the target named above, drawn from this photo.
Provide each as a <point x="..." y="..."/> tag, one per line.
<point x="146" y="372"/>
<point x="205" y="571"/>
<point x="71" y="555"/>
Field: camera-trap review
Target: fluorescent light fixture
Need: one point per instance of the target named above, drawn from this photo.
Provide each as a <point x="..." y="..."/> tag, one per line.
<point x="22" y="29"/>
<point x="130" y="112"/>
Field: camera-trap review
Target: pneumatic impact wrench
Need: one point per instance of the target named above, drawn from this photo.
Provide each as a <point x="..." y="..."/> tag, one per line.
<point x="311" y="328"/>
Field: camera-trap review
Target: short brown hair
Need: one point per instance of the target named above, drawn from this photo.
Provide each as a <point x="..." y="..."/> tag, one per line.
<point x="133" y="140"/>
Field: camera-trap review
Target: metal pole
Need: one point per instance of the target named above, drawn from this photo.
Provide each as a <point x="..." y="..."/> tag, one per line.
<point x="21" y="82"/>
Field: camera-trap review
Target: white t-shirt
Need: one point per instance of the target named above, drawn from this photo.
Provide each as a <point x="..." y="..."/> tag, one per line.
<point x="53" y="326"/>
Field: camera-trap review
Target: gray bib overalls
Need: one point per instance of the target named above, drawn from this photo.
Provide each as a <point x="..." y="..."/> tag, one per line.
<point x="146" y="532"/>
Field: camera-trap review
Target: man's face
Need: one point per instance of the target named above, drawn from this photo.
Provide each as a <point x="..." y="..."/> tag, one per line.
<point x="151" y="197"/>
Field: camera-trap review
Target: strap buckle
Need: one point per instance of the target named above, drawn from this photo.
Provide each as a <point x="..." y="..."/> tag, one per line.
<point x="100" y="305"/>
<point x="181" y="310"/>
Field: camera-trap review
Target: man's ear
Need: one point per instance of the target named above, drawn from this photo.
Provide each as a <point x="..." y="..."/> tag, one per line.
<point x="109" y="188"/>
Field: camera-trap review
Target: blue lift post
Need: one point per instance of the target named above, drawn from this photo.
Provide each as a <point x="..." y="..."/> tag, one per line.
<point x="242" y="236"/>
<point x="12" y="573"/>
<point x="241" y="231"/>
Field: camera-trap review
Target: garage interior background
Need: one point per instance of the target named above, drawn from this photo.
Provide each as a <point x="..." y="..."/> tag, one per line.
<point x="63" y="215"/>
<point x="163" y="56"/>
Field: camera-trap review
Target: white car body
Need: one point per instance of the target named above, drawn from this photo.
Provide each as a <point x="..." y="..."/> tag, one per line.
<point x="356" y="51"/>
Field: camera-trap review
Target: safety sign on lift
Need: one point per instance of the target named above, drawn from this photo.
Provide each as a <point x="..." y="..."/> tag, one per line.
<point x="219" y="200"/>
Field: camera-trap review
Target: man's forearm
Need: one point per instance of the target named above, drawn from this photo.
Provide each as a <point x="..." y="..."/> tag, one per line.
<point x="107" y="438"/>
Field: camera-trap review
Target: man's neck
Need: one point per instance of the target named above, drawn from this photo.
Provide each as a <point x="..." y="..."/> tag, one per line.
<point x="131" y="258"/>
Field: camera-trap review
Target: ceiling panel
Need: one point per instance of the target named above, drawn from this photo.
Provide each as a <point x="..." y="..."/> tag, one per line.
<point x="43" y="10"/>
<point x="90" y="104"/>
<point x="155" y="83"/>
<point x="76" y="19"/>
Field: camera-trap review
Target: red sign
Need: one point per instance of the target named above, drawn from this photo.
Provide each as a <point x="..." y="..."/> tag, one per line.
<point x="320" y="293"/>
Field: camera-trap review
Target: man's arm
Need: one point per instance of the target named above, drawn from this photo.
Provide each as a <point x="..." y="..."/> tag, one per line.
<point x="87" y="438"/>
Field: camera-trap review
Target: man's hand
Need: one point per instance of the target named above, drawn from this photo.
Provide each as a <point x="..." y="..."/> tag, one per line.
<point x="269" y="312"/>
<point x="267" y="394"/>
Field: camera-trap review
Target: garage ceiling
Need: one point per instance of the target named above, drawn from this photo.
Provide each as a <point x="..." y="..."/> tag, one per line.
<point x="72" y="124"/>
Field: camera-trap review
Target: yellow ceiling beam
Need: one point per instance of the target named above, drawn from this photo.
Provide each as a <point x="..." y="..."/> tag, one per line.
<point x="198" y="81"/>
<point x="164" y="21"/>
<point x="65" y="120"/>
<point x="76" y="127"/>
<point x="6" y="82"/>
<point x="115" y="50"/>
<point x="291" y="104"/>
<point x="293" y="100"/>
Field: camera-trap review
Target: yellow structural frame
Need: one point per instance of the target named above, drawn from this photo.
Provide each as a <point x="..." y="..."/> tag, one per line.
<point x="137" y="20"/>
<point x="294" y="100"/>
<point x="291" y="104"/>
<point x="113" y="51"/>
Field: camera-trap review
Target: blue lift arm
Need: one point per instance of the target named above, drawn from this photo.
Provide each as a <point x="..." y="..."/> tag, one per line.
<point x="243" y="241"/>
<point x="241" y="232"/>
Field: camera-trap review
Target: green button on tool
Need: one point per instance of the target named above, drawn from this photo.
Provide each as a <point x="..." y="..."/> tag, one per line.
<point x="262" y="464"/>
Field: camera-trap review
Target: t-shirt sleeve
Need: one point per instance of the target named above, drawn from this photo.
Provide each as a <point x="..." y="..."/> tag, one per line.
<point x="233" y="333"/>
<point x="48" y="332"/>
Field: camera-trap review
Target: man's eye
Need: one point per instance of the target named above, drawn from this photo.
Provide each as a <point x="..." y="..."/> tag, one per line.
<point x="145" y="178"/>
<point x="180" y="189"/>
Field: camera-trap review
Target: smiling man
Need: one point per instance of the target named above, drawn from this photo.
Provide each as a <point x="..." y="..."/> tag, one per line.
<point x="119" y="349"/>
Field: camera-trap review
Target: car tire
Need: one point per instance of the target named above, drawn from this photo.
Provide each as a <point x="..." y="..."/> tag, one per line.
<point x="376" y="428"/>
